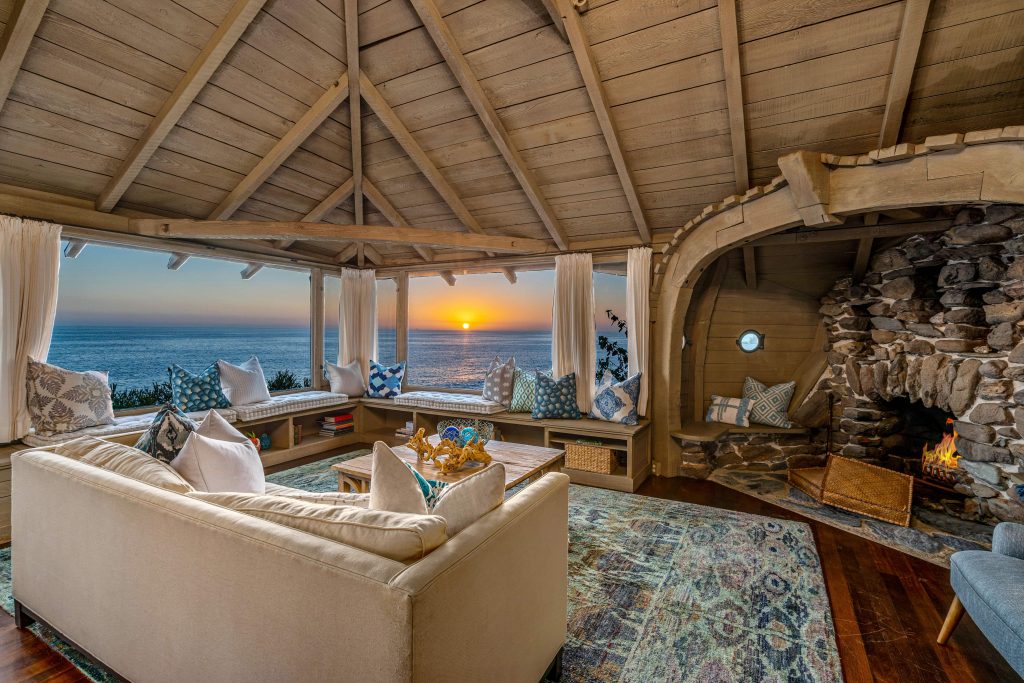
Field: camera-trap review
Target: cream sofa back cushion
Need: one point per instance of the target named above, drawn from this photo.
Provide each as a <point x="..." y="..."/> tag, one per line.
<point x="124" y="460"/>
<point x="397" y="536"/>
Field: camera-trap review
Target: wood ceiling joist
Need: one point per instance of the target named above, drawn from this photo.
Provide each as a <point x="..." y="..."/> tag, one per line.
<point x="446" y="44"/>
<point x="394" y="217"/>
<point x="595" y="89"/>
<point x="555" y="13"/>
<point x="195" y="79"/>
<point x="328" y="204"/>
<point x="346" y="254"/>
<point x="734" y="92"/>
<point x="284" y="147"/>
<point x="22" y="23"/>
<point x="298" y="230"/>
<point x="355" y="101"/>
<point x="915" y="16"/>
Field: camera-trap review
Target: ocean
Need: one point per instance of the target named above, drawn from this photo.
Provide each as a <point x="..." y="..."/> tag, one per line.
<point x="135" y="357"/>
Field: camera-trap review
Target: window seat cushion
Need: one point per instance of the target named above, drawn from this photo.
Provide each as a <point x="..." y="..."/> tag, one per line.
<point x="124" y="424"/>
<point x="712" y="431"/>
<point x="288" y="403"/>
<point x="439" y="400"/>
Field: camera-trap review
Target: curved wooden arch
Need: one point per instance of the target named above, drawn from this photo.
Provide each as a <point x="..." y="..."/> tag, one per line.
<point x="817" y="189"/>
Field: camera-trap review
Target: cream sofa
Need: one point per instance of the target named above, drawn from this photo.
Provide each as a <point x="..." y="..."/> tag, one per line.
<point x="161" y="586"/>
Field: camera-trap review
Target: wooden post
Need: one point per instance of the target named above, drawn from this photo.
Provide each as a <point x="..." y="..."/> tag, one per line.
<point x="316" y="328"/>
<point x="402" y="318"/>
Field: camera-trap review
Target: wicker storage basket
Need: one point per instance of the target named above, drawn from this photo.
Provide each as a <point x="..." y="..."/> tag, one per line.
<point x="579" y="456"/>
<point x="868" y="489"/>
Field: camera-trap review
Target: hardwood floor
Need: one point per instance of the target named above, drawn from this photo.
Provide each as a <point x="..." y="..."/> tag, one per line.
<point x="888" y="608"/>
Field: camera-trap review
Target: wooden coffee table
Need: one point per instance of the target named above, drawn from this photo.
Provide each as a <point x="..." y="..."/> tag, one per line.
<point x="522" y="463"/>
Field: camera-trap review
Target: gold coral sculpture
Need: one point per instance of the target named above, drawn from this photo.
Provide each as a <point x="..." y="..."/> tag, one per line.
<point x="448" y="456"/>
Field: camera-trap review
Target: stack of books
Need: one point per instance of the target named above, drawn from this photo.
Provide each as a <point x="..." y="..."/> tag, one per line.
<point x="407" y="431"/>
<point x="333" y="425"/>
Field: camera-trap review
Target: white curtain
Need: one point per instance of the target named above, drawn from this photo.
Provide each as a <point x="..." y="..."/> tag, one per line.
<point x="573" y="342"/>
<point x="357" y="318"/>
<point x="638" y="316"/>
<point x="29" y="268"/>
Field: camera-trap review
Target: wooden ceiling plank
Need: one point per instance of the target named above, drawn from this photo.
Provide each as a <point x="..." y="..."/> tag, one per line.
<point x="303" y="128"/>
<point x="446" y="44"/>
<point x="195" y="79"/>
<point x="298" y="230"/>
<point x="394" y="217"/>
<point x="734" y="92"/>
<point x="355" y="102"/>
<point x="595" y="89"/>
<point x="22" y="23"/>
<point x="915" y="15"/>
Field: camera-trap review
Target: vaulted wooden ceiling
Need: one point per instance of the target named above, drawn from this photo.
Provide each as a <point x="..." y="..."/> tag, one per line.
<point x="607" y="126"/>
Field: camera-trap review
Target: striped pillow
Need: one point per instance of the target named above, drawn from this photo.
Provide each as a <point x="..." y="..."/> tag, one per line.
<point x="733" y="411"/>
<point x="769" y="405"/>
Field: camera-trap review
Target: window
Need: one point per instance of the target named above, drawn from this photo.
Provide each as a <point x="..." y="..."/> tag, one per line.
<point x="750" y="341"/>
<point x="387" y="307"/>
<point x="123" y="311"/>
<point x="611" y="323"/>
<point x="455" y="332"/>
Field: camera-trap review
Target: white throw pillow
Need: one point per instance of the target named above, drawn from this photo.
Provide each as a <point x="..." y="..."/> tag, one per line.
<point x="346" y="379"/>
<point x="393" y="486"/>
<point x="243" y="384"/>
<point x="216" y="465"/>
<point x="214" y="426"/>
<point x="469" y="499"/>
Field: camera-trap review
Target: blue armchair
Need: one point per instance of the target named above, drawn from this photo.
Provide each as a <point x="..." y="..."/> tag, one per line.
<point x="990" y="587"/>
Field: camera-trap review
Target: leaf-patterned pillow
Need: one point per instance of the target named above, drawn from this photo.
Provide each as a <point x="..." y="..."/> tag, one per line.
<point x="556" y="399"/>
<point x="62" y="400"/>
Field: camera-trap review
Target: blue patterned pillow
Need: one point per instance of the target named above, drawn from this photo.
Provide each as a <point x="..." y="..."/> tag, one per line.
<point x="197" y="392"/>
<point x="384" y="381"/>
<point x="430" y="488"/>
<point x="167" y="433"/>
<point x="769" y="405"/>
<point x="556" y="399"/>
<point x="616" y="401"/>
<point x="733" y="411"/>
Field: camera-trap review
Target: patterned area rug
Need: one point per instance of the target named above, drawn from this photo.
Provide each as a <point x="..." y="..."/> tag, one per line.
<point x="660" y="591"/>
<point x="932" y="536"/>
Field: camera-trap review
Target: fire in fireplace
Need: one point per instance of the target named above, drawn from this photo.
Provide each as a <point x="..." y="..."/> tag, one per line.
<point x="940" y="463"/>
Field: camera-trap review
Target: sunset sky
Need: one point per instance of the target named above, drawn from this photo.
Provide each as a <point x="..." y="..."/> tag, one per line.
<point x="113" y="286"/>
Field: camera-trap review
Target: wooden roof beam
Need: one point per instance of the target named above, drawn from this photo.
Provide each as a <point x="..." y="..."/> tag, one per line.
<point x="22" y="23"/>
<point x="445" y="42"/>
<point x="355" y="102"/>
<point x="595" y="89"/>
<point x="328" y="204"/>
<point x="176" y="261"/>
<point x="915" y="15"/>
<point x="346" y="254"/>
<point x="195" y="79"/>
<point x="74" y="248"/>
<point x="394" y="217"/>
<point x="556" y="17"/>
<point x="734" y="92"/>
<point x="303" y="128"/>
<point x="174" y="228"/>
<point x="750" y="267"/>
<point x="808" y="180"/>
<point x="510" y="275"/>
<point x="449" y="277"/>
<point x="250" y="270"/>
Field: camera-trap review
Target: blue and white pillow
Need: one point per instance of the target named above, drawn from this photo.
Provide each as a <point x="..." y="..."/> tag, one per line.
<point x="192" y="393"/>
<point x="430" y="488"/>
<point x="556" y="398"/>
<point x="384" y="381"/>
<point x="616" y="401"/>
<point x="733" y="411"/>
<point x="769" y="404"/>
<point x="167" y="433"/>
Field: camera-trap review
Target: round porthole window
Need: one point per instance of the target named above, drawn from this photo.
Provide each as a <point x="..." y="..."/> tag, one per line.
<point x="750" y="341"/>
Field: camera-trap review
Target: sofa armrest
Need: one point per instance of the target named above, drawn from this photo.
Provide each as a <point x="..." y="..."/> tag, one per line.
<point x="1008" y="539"/>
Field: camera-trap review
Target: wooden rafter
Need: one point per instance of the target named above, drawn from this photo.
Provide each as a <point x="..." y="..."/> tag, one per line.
<point x="297" y="230"/>
<point x="460" y="68"/>
<point x="915" y="14"/>
<point x="345" y="254"/>
<point x="750" y="266"/>
<point x="394" y="217"/>
<point x="206" y="63"/>
<point x="355" y="110"/>
<point x="326" y="205"/>
<point x="449" y="277"/>
<point x="556" y="16"/>
<point x="864" y="246"/>
<point x="734" y="92"/>
<point x="22" y="23"/>
<point x="303" y="128"/>
<point x="602" y="110"/>
<point x="510" y="275"/>
<point x="809" y="185"/>
<point x="371" y="254"/>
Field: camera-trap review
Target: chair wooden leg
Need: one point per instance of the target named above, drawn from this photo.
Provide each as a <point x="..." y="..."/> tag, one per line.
<point x="956" y="611"/>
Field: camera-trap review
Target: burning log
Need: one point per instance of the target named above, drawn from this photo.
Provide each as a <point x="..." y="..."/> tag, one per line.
<point x="940" y="463"/>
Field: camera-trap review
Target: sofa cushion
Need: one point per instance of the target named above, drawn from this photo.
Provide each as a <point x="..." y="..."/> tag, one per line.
<point x="124" y="460"/>
<point x="166" y="435"/>
<point x="498" y="381"/>
<point x="393" y="487"/>
<point x="124" y="424"/>
<point x="397" y="536"/>
<point x="385" y="381"/>
<point x="556" y="398"/>
<point x="288" y="403"/>
<point x="346" y="379"/>
<point x="439" y="400"/>
<point x="469" y="499"/>
<point x="62" y="401"/>
<point x="243" y="384"/>
<point x="769" y="404"/>
<point x="359" y="500"/>
<point x="197" y="391"/>
<point x="991" y="588"/>
<point x="616" y="401"/>
<point x="211" y="463"/>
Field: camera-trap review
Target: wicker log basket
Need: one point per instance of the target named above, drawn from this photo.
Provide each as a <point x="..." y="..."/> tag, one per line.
<point x="589" y="458"/>
<point x="858" y="487"/>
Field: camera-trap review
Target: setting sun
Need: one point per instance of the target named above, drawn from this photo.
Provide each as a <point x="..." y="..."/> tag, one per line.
<point x="465" y="326"/>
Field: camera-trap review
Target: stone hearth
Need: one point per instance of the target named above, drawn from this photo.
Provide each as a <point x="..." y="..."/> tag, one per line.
<point x="938" y="320"/>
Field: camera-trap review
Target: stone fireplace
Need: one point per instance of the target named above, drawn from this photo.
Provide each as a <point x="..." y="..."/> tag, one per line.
<point x="933" y="332"/>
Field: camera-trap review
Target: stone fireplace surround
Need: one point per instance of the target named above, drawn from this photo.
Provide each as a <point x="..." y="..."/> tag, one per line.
<point x="938" y="319"/>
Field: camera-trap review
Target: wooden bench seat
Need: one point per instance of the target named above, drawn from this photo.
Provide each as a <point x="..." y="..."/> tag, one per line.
<point x="713" y="431"/>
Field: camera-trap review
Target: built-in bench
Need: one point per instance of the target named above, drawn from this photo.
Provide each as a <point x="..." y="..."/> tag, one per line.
<point x="703" y="432"/>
